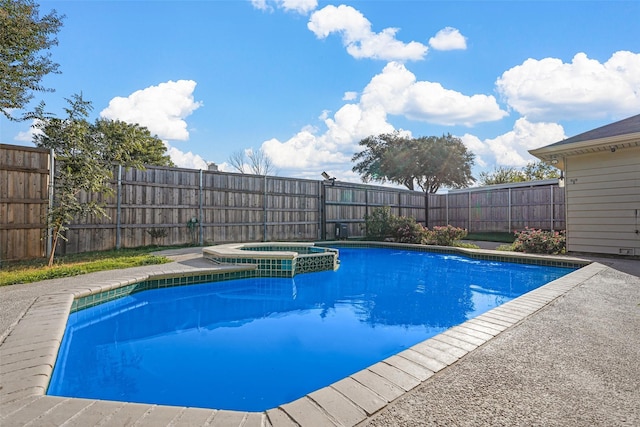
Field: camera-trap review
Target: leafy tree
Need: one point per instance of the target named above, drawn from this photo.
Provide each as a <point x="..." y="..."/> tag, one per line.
<point x="80" y="169"/>
<point x="370" y="160"/>
<point x="531" y="172"/>
<point x="429" y="162"/>
<point x="501" y="175"/>
<point x="254" y="162"/>
<point x="25" y="39"/>
<point x="130" y="145"/>
<point x="540" y="170"/>
<point x="86" y="154"/>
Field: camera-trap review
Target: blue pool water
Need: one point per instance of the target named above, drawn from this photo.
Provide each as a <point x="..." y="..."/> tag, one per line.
<point x="254" y="344"/>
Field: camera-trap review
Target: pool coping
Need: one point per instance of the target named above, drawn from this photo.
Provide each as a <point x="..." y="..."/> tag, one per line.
<point x="30" y="349"/>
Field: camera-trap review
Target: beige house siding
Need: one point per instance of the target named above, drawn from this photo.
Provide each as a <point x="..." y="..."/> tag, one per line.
<point x="603" y="202"/>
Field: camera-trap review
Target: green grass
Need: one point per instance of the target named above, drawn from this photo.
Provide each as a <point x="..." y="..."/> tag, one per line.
<point x="492" y="237"/>
<point x="74" y="265"/>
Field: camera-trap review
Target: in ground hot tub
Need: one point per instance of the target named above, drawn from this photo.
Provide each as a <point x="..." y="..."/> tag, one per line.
<point x="275" y="259"/>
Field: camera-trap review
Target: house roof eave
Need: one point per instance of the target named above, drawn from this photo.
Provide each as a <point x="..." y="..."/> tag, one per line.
<point x="555" y="153"/>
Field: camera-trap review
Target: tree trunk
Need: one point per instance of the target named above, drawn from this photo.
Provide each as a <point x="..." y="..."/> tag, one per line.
<point x="56" y="232"/>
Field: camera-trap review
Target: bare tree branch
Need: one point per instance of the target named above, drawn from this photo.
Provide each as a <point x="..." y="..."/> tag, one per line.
<point x="237" y="160"/>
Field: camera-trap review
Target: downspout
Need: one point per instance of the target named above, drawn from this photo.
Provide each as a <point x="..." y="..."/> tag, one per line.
<point x="566" y="203"/>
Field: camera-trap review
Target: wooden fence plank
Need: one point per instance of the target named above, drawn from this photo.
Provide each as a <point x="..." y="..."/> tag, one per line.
<point x="24" y="179"/>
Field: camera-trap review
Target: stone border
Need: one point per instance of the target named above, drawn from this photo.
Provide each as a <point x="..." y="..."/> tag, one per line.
<point x="29" y="351"/>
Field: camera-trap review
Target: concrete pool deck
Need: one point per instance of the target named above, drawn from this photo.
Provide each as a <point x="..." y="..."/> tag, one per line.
<point x="564" y="354"/>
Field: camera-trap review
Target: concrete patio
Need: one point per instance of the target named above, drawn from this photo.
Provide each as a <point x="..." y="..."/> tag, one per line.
<point x="564" y="354"/>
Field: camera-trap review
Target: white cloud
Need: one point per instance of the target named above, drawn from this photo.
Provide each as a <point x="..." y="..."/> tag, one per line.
<point x="398" y="92"/>
<point x="477" y="147"/>
<point x="549" y="89"/>
<point x="185" y="160"/>
<point x="299" y="6"/>
<point x="511" y="148"/>
<point x="27" y="135"/>
<point x="394" y="91"/>
<point x="359" y="39"/>
<point x="335" y="146"/>
<point x="303" y="150"/>
<point x="307" y="149"/>
<point x="260" y="4"/>
<point x="350" y="96"/>
<point x="448" y="38"/>
<point x="162" y="108"/>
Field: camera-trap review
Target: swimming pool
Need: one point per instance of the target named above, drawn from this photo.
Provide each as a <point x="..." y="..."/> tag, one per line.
<point x="253" y="344"/>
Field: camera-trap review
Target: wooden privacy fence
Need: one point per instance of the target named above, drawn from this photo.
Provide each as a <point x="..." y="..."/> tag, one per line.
<point x="183" y="206"/>
<point x="24" y="198"/>
<point x="173" y="206"/>
<point x="504" y="208"/>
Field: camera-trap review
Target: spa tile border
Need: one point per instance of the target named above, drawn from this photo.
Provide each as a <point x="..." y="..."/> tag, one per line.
<point x="279" y="259"/>
<point x="28" y="354"/>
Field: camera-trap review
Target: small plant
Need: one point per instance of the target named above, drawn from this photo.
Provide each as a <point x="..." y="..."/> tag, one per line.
<point x="192" y="225"/>
<point x="531" y="240"/>
<point x="465" y="245"/>
<point x="157" y="234"/>
<point x="445" y="235"/>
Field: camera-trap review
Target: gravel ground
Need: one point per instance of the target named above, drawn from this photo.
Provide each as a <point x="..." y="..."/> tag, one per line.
<point x="574" y="363"/>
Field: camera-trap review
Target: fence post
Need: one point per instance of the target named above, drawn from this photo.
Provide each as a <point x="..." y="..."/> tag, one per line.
<point x="366" y="208"/>
<point x="426" y="209"/>
<point x="200" y="218"/>
<point x="119" y="208"/>
<point x="323" y="210"/>
<point x="446" y="210"/>
<point x="52" y="173"/>
<point x="509" y="216"/>
<point x="469" y="202"/>
<point x="551" y="207"/>
<point x="264" y="212"/>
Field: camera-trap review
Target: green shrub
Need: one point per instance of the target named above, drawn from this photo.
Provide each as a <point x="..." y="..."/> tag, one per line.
<point x="445" y="235"/>
<point x="407" y="230"/>
<point x="379" y="224"/>
<point x="535" y="241"/>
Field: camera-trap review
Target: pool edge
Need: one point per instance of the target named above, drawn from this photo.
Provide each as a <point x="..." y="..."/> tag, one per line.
<point x="34" y="342"/>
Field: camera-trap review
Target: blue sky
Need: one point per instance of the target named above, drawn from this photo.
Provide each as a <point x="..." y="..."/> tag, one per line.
<point x="305" y="81"/>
